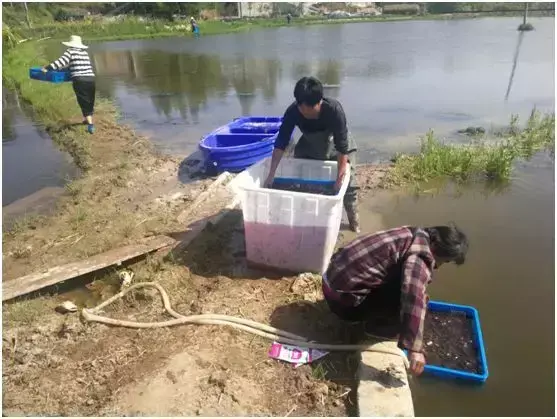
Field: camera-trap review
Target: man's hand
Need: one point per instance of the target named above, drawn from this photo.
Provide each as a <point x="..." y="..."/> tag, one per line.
<point x="338" y="184"/>
<point x="44" y="70"/>
<point x="269" y="181"/>
<point x="417" y="363"/>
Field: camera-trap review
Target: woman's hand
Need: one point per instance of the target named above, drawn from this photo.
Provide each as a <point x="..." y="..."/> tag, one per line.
<point x="417" y="363"/>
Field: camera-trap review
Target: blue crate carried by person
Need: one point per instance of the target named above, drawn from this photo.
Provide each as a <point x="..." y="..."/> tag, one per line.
<point x="36" y="73"/>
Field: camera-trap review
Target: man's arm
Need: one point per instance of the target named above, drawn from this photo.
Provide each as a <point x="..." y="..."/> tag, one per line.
<point x="416" y="275"/>
<point x="281" y="143"/>
<point x="340" y="138"/>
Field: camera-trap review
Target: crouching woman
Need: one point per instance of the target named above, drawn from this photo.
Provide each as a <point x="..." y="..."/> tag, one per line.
<point x="380" y="279"/>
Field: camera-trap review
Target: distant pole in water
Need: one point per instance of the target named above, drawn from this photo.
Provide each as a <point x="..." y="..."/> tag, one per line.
<point x="515" y="61"/>
<point x="525" y="26"/>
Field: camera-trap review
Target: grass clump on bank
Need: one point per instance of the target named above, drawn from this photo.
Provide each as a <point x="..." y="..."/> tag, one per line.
<point x="481" y="159"/>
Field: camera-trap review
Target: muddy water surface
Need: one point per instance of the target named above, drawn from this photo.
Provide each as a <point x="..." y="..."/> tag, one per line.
<point x="509" y="277"/>
<point x="34" y="171"/>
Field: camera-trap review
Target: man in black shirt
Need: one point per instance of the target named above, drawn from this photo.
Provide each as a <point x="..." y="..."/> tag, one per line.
<point x="324" y="137"/>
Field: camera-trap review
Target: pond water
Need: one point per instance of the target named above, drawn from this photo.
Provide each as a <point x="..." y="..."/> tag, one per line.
<point x="395" y="80"/>
<point x="509" y="276"/>
<point x="32" y="167"/>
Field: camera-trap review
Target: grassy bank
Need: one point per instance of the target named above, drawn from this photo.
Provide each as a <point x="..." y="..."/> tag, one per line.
<point x="481" y="159"/>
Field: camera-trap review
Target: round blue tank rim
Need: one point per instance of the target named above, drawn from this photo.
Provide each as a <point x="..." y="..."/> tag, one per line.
<point x="256" y="144"/>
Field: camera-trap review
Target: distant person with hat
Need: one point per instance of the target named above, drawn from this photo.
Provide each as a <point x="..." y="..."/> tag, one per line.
<point x="77" y="60"/>
<point x="194" y="27"/>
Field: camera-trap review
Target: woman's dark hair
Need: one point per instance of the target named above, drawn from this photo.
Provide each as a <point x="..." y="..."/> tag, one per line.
<point x="308" y="91"/>
<point x="448" y="242"/>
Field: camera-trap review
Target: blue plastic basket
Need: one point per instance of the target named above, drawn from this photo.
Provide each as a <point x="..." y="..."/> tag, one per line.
<point x="442" y="372"/>
<point x="36" y="73"/>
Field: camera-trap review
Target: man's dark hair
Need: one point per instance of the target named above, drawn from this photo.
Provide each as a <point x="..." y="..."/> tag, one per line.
<point x="448" y="242"/>
<point x="308" y="91"/>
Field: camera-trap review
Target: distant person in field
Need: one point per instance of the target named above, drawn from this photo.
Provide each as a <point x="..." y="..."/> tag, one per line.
<point x="380" y="279"/>
<point x="324" y="137"/>
<point x="77" y="60"/>
<point x="288" y="18"/>
<point x="194" y="27"/>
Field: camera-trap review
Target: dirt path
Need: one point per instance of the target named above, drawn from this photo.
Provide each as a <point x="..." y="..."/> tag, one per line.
<point x="58" y="365"/>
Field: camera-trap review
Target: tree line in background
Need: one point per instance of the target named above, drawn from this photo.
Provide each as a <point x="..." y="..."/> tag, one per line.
<point x="18" y="13"/>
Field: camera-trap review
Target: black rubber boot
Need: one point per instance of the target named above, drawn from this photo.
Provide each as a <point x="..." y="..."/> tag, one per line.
<point x="353" y="217"/>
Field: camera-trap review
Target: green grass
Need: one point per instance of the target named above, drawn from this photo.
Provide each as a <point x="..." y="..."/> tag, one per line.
<point x="481" y="159"/>
<point x="134" y="28"/>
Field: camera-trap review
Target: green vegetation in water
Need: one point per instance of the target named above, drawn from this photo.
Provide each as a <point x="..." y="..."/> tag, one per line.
<point x="481" y="159"/>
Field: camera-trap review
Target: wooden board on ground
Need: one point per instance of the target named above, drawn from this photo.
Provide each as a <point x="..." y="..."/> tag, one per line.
<point x="33" y="282"/>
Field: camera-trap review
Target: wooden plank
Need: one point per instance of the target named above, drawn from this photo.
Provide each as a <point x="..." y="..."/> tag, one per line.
<point x="196" y="228"/>
<point x="223" y="178"/>
<point x="33" y="282"/>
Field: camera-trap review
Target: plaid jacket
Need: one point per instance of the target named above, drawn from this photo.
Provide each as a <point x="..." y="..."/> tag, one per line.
<point x="375" y="260"/>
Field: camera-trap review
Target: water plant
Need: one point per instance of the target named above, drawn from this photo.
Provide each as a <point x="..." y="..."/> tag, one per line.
<point x="480" y="159"/>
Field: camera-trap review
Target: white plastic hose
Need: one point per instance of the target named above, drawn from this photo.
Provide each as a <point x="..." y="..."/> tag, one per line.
<point x="249" y="326"/>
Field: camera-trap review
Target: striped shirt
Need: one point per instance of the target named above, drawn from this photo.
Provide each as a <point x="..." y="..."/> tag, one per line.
<point x="370" y="262"/>
<point x="77" y="60"/>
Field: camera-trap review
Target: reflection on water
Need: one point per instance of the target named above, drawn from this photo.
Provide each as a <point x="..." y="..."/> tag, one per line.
<point x="509" y="277"/>
<point x="30" y="161"/>
<point x="515" y="62"/>
<point x="395" y="80"/>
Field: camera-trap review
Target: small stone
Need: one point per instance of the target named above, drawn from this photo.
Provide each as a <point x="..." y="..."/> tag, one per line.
<point x="90" y="402"/>
<point x="66" y="307"/>
<point x="337" y="402"/>
<point x="429" y="343"/>
<point x="199" y="412"/>
<point x="322" y="388"/>
<point x="37" y="351"/>
<point x="42" y="330"/>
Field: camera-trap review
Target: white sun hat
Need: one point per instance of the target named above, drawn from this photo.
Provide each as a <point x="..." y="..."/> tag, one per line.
<point x="75" y="42"/>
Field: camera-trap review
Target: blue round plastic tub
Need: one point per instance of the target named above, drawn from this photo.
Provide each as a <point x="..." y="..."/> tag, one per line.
<point x="256" y="125"/>
<point x="235" y="152"/>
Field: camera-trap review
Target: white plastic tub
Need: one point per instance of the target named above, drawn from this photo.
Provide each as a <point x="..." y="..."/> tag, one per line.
<point x="291" y="231"/>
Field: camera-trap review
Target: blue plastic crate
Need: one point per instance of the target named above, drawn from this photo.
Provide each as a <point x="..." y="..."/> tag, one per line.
<point x="36" y="73"/>
<point x="472" y="313"/>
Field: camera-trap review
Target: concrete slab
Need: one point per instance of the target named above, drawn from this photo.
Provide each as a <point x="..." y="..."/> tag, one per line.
<point x="384" y="389"/>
